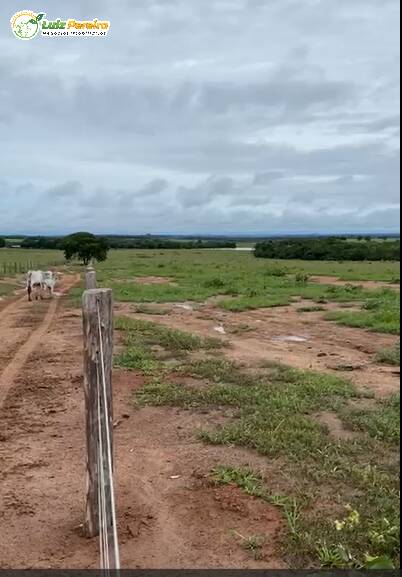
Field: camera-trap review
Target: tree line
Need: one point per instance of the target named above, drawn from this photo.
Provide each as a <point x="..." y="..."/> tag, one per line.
<point x="165" y="243"/>
<point x="335" y="249"/>
<point x="55" y="243"/>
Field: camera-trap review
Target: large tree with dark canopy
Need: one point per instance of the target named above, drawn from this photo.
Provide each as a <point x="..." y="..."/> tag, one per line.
<point x="85" y="246"/>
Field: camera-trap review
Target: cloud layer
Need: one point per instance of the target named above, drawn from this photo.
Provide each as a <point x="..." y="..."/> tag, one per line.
<point x="234" y="116"/>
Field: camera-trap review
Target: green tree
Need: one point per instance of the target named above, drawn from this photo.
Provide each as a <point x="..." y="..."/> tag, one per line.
<point x="2" y="243"/>
<point x="85" y="246"/>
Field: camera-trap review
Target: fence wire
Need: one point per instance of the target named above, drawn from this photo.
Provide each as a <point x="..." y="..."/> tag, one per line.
<point x="108" y="535"/>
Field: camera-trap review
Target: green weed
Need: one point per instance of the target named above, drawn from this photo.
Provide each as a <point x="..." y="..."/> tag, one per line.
<point x="153" y="334"/>
<point x="390" y="356"/>
<point x="246" y="479"/>
<point x="381" y="423"/>
<point x="379" y="314"/>
<point x="143" y="340"/>
<point x="254" y="544"/>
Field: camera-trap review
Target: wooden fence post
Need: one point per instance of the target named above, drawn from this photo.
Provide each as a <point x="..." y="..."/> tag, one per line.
<point x="90" y="278"/>
<point x="96" y="304"/>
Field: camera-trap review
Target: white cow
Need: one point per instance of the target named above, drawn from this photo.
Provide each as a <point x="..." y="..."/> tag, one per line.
<point x="35" y="284"/>
<point x="49" y="280"/>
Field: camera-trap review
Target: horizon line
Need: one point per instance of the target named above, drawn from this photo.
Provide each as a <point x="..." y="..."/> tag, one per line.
<point x="213" y="234"/>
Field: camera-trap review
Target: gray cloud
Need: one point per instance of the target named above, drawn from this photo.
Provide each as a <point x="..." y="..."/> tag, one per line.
<point x="66" y="190"/>
<point x="224" y="115"/>
<point x="154" y="187"/>
<point x="263" y="178"/>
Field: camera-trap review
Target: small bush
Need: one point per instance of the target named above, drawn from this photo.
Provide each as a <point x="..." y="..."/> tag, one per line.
<point x="214" y="283"/>
<point x="276" y="272"/>
<point x="302" y="279"/>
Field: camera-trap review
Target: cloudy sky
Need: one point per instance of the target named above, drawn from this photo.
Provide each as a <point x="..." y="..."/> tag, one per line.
<point x="203" y="116"/>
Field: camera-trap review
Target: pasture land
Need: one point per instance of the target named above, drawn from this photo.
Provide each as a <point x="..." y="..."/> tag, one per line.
<point x="14" y="261"/>
<point x="325" y="433"/>
<point x="244" y="283"/>
<point x="256" y="415"/>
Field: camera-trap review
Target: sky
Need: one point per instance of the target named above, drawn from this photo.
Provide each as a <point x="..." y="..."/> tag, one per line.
<point x="203" y="117"/>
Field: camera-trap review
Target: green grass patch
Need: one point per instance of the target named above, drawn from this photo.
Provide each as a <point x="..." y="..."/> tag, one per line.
<point x="382" y="423"/>
<point x="17" y="261"/>
<point x="281" y="293"/>
<point x="274" y="409"/>
<point x="246" y="479"/>
<point x="143" y="338"/>
<point x="390" y="356"/>
<point x="170" y="339"/>
<point x="380" y="313"/>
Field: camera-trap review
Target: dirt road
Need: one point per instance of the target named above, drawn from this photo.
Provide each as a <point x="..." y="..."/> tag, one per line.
<point x="169" y="514"/>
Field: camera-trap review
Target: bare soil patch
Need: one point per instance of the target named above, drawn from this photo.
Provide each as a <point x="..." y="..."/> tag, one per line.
<point x="335" y="426"/>
<point x="367" y="284"/>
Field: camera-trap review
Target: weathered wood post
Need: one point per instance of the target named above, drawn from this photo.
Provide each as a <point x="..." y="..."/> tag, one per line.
<point x="97" y="305"/>
<point x="90" y="278"/>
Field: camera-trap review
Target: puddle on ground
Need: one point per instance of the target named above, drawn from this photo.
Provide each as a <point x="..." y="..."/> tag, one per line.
<point x="290" y="339"/>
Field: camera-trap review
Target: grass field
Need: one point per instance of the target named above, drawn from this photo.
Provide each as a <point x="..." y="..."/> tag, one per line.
<point x="232" y="264"/>
<point x="246" y="283"/>
<point x="243" y="282"/>
<point x="16" y="261"/>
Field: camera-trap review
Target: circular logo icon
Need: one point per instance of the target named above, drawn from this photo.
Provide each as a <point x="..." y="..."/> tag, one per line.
<point x="25" y="25"/>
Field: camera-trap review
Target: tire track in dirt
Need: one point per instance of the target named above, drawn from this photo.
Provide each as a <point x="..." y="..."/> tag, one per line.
<point x="12" y="370"/>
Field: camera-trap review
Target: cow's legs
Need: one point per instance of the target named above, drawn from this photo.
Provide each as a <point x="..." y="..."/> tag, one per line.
<point x="37" y="292"/>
